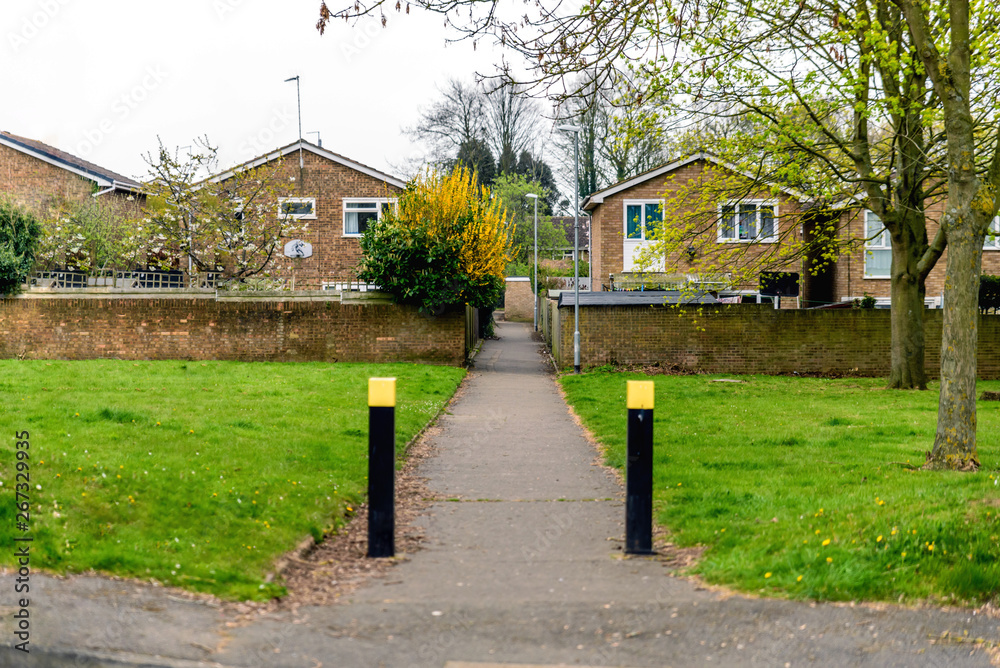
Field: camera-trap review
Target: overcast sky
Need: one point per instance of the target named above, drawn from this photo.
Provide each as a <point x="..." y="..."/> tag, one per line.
<point x="102" y="78"/>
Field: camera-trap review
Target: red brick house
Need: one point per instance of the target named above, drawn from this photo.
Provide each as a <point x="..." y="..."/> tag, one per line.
<point x="337" y="196"/>
<point x="759" y="223"/>
<point x="40" y="176"/>
<point x="866" y="271"/>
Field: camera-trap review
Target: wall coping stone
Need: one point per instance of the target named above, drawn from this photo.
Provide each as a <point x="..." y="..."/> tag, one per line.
<point x="348" y="297"/>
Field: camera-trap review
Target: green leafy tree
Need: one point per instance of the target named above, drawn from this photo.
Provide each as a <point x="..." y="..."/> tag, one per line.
<point x="957" y="46"/>
<point x="513" y="191"/>
<point x="19" y="234"/>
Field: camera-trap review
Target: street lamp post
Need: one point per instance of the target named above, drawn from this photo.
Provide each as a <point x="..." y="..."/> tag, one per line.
<point x="575" y="129"/>
<point x="534" y="284"/>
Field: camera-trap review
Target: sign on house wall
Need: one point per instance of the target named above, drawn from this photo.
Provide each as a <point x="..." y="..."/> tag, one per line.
<point x="298" y="248"/>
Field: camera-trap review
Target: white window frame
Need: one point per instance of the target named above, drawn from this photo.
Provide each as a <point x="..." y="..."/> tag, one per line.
<point x="758" y="238"/>
<point x="380" y="203"/>
<point x="658" y="203"/>
<point x="992" y="240"/>
<point x="297" y="216"/>
<point x="880" y="242"/>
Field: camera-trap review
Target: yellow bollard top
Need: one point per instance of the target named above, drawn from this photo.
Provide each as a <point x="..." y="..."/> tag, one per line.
<point x="640" y="394"/>
<point x="381" y="391"/>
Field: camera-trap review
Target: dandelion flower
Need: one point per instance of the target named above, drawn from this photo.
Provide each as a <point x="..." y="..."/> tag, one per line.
<point x="826" y="542"/>
<point x="798" y="579"/>
<point x="767" y="575"/>
<point x="829" y="560"/>
<point x="879" y="539"/>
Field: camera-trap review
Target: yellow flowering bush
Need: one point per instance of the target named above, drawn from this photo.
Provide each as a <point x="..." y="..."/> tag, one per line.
<point x="446" y="243"/>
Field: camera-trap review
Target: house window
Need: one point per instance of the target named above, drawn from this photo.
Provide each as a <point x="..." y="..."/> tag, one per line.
<point x="642" y="219"/>
<point x="878" y="248"/>
<point x="297" y="207"/>
<point x="992" y="241"/>
<point x="747" y="221"/>
<point x="358" y="213"/>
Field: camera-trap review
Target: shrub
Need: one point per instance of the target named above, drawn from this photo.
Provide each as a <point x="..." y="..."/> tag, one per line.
<point x="446" y="244"/>
<point x="989" y="294"/>
<point x="866" y="302"/>
<point x="19" y="233"/>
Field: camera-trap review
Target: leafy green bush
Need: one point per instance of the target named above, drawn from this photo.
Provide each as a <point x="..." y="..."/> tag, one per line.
<point x="989" y="293"/>
<point x="419" y="268"/>
<point x="445" y="245"/>
<point x="19" y="233"/>
<point x="865" y="302"/>
<point x="520" y="269"/>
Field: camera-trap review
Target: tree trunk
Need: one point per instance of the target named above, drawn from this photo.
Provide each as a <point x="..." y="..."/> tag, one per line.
<point x="908" y="288"/>
<point x="907" y="348"/>
<point x="955" y="441"/>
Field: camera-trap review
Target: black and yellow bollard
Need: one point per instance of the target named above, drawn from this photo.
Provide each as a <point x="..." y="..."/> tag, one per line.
<point x="381" y="467"/>
<point x="639" y="469"/>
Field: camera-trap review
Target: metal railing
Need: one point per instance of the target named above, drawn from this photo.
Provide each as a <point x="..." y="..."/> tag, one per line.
<point x="135" y="280"/>
<point x="350" y="285"/>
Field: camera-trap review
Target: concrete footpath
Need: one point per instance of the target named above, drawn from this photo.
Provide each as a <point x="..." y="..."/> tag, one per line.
<point x="522" y="565"/>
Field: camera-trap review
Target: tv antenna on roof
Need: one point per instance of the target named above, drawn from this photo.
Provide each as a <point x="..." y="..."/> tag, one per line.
<point x="298" y="97"/>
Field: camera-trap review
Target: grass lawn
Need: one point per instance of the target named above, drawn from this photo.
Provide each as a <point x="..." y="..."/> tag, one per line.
<point x="795" y="485"/>
<point x="197" y="474"/>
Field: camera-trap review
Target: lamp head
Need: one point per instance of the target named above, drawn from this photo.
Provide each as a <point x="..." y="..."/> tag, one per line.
<point x="531" y="195"/>
<point x="569" y="128"/>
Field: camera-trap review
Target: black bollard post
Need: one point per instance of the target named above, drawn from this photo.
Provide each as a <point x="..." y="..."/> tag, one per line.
<point x="381" y="467"/>
<point x="639" y="469"/>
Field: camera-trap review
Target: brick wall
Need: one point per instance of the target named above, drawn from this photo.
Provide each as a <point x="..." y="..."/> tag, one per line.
<point x="518" y="305"/>
<point x="750" y="339"/>
<point x="202" y="327"/>
<point x="38" y="185"/>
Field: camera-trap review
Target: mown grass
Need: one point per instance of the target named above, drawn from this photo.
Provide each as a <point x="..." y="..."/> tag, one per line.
<point x="799" y="487"/>
<point x="195" y="474"/>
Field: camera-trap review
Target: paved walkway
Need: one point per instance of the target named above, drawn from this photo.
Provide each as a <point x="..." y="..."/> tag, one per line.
<point x="522" y="565"/>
